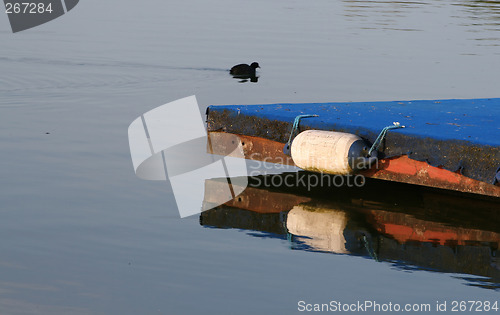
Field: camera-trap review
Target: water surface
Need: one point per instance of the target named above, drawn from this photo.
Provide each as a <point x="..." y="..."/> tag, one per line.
<point x="82" y="234"/>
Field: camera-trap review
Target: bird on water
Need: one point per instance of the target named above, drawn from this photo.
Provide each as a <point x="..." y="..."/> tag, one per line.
<point x="244" y="69"/>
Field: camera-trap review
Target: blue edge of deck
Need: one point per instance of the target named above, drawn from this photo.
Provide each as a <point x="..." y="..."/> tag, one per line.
<point x="473" y="123"/>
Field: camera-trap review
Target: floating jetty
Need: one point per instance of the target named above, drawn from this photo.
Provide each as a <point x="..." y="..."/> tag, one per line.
<point x="448" y="144"/>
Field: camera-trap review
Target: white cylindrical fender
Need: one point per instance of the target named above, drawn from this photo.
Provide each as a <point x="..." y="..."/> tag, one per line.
<point x="324" y="228"/>
<point x="329" y="152"/>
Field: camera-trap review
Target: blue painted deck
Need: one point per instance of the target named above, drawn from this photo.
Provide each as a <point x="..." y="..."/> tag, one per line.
<point x="455" y="134"/>
<point x="475" y="120"/>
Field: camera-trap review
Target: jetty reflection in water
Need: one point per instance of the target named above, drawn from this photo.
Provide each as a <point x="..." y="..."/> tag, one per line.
<point x="411" y="227"/>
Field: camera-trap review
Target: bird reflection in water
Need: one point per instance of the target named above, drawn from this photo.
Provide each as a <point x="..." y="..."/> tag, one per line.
<point x="243" y="78"/>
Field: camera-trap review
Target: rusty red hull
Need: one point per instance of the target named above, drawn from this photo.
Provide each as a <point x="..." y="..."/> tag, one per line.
<point x="400" y="169"/>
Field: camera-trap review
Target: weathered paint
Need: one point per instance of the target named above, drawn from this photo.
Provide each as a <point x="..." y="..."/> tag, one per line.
<point x="398" y="169"/>
<point x="454" y="135"/>
<point x="406" y="170"/>
<point x="254" y="148"/>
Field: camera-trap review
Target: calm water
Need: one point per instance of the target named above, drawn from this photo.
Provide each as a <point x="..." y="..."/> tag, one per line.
<point x="81" y="234"/>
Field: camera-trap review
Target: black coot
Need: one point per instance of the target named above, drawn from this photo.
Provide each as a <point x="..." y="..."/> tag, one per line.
<point x="244" y="69"/>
